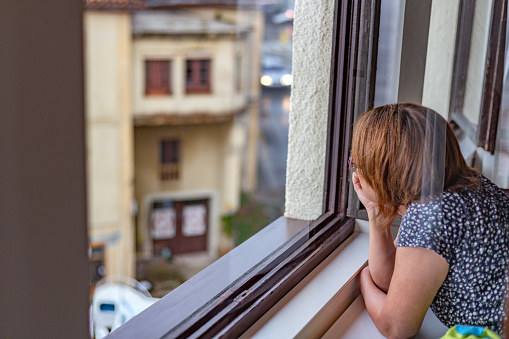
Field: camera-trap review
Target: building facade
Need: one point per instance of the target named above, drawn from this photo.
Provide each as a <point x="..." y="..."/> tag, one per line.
<point x="172" y="107"/>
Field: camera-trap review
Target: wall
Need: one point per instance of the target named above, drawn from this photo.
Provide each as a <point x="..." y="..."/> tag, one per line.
<point x="254" y="19"/>
<point x="224" y="98"/>
<point x="309" y="111"/>
<point x="109" y="136"/>
<point x="44" y="286"/>
<point x="209" y="167"/>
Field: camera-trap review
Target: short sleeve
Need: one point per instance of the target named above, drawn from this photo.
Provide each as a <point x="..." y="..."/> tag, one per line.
<point x="424" y="226"/>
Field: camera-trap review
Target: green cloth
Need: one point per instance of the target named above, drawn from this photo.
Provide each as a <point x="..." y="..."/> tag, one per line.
<point x="469" y="332"/>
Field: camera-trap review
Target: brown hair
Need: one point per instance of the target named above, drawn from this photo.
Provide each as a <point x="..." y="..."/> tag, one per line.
<point x="399" y="151"/>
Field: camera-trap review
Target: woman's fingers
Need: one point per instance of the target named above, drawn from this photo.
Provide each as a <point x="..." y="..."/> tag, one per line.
<point x="356" y="181"/>
<point x="358" y="187"/>
<point x="360" y="193"/>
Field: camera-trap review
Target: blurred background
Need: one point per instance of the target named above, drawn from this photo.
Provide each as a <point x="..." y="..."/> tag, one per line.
<point x="187" y="132"/>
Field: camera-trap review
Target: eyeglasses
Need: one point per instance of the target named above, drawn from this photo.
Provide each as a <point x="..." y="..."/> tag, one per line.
<point x="350" y="163"/>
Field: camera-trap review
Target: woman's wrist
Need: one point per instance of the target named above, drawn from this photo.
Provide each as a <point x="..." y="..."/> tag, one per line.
<point x="374" y="220"/>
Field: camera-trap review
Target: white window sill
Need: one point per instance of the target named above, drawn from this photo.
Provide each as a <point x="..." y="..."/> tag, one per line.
<point x="311" y="309"/>
<point x="356" y="323"/>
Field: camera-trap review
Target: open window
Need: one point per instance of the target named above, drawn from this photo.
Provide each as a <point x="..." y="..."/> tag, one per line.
<point x="198" y="76"/>
<point x="238" y="303"/>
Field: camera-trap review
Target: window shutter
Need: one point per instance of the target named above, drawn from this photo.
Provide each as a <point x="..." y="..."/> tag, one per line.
<point x="157" y="77"/>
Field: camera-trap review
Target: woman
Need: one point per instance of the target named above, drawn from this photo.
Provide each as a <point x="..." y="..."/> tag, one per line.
<point x="452" y="249"/>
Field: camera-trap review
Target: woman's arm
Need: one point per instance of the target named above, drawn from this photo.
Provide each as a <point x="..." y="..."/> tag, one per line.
<point x="418" y="274"/>
<point x="382" y="254"/>
<point x="382" y="250"/>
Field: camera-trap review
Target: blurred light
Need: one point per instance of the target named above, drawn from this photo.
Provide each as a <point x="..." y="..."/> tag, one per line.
<point x="286" y="80"/>
<point x="266" y="80"/>
<point x="290" y="13"/>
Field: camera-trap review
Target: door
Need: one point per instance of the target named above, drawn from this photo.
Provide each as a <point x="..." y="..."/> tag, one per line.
<point x="179" y="226"/>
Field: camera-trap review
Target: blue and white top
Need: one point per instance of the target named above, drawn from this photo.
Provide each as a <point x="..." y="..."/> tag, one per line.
<point x="470" y="230"/>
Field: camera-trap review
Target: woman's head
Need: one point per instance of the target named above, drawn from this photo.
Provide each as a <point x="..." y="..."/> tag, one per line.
<point x="406" y="153"/>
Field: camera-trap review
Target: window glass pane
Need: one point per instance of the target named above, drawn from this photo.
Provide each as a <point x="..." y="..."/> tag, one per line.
<point x="187" y="145"/>
<point x="437" y="54"/>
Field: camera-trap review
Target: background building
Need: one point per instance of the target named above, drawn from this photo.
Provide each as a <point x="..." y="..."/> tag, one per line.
<point x="172" y="127"/>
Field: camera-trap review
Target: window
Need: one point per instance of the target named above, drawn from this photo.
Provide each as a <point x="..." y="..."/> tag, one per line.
<point x="486" y="52"/>
<point x="157" y="77"/>
<point x="255" y="291"/>
<point x="169" y="159"/>
<point x="198" y="76"/>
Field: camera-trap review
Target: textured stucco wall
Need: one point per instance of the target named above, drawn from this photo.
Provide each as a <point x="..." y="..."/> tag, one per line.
<point x="308" y="115"/>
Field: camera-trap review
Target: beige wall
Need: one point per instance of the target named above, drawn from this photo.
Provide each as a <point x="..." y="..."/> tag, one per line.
<point x="224" y="96"/>
<point x="109" y="136"/>
<point x="254" y="19"/>
<point x="209" y="168"/>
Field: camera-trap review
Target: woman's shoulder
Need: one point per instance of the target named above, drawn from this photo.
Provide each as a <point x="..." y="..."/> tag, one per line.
<point x="487" y="193"/>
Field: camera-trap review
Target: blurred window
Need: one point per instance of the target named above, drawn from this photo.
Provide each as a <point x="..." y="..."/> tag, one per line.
<point x="198" y="76"/>
<point x="157" y="77"/>
<point x="170" y="159"/>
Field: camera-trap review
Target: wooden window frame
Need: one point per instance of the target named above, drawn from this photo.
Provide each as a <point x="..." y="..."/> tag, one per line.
<point x="485" y="133"/>
<point x="244" y="301"/>
<point x="155" y="81"/>
<point x="196" y="87"/>
<point x="169" y="160"/>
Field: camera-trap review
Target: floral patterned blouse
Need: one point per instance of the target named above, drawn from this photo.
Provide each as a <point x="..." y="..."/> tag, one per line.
<point x="470" y="230"/>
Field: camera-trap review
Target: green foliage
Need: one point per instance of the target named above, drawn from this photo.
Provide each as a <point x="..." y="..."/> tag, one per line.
<point x="253" y="215"/>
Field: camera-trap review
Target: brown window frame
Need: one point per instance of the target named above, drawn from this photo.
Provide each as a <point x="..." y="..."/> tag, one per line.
<point x="197" y="83"/>
<point x="158" y="77"/>
<point x="246" y="299"/>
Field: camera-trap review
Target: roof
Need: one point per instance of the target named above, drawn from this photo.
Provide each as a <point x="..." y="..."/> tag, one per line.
<point x="179" y="22"/>
<point x="114" y="4"/>
<point x="155" y="4"/>
<point x="183" y="3"/>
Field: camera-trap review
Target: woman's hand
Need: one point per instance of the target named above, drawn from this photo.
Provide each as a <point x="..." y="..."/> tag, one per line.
<point x="366" y="195"/>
